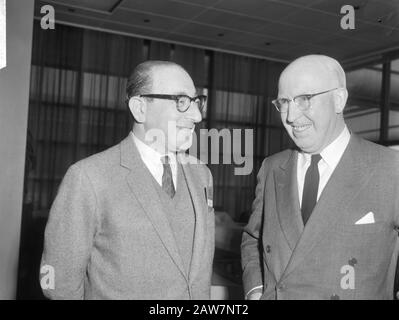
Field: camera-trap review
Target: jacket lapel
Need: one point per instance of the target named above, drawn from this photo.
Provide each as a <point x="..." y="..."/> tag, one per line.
<point x="197" y="194"/>
<point x="141" y="185"/>
<point x="289" y="212"/>
<point x="349" y="177"/>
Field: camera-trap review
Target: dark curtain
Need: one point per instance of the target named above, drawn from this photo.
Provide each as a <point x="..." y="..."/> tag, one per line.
<point x="240" y="98"/>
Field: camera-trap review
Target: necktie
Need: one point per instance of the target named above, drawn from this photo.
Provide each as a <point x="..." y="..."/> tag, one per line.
<point x="167" y="180"/>
<point x="310" y="188"/>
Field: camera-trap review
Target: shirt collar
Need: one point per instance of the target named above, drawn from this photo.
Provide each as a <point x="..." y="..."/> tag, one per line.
<point x="334" y="151"/>
<point x="149" y="155"/>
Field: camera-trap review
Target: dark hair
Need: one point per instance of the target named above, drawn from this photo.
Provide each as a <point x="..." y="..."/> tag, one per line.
<point x="140" y="80"/>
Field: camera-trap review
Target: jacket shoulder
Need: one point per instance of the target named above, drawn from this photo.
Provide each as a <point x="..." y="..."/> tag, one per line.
<point x="378" y="155"/>
<point x="101" y="161"/>
<point x="277" y="159"/>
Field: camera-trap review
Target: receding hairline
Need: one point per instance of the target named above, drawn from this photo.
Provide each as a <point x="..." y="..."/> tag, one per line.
<point x="148" y="67"/>
<point x="141" y="79"/>
<point x="330" y="65"/>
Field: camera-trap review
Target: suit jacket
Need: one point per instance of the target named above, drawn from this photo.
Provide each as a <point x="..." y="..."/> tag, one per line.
<point x="108" y="237"/>
<point x="332" y="257"/>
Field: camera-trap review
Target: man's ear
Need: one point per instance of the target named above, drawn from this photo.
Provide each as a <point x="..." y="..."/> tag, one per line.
<point x="138" y="109"/>
<point x="340" y="98"/>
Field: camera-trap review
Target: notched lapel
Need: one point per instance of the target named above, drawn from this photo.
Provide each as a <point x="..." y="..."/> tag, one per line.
<point x="349" y="177"/>
<point x="287" y="200"/>
<point x="140" y="183"/>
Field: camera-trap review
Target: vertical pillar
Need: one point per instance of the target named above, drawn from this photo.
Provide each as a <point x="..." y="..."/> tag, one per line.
<point x="386" y="83"/>
<point x="14" y="101"/>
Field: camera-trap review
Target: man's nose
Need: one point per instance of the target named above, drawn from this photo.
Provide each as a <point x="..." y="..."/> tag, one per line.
<point x="194" y="113"/>
<point x="293" y="112"/>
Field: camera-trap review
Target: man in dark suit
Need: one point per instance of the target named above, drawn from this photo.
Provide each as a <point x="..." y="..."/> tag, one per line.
<point x="136" y="221"/>
<point x="325" y="219"/>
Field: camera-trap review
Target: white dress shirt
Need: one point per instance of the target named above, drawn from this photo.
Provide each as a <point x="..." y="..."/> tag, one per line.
<point x="152" y="160"/>
<point x="330" y="157"/>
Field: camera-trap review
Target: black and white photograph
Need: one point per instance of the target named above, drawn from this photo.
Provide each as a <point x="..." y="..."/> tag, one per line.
<point x="212" y="152"/>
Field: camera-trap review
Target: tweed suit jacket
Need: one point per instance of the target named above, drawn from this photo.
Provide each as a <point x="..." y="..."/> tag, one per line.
<point x="108" y="237"/>
<point x="332" y="257"/>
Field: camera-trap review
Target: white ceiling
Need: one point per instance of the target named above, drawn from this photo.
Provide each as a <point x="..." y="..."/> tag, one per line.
<point x="276" y="29"/>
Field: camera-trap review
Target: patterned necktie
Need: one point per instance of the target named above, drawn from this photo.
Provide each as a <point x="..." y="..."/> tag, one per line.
<point x="167" y="180"/>
<point x="310" y="188"/>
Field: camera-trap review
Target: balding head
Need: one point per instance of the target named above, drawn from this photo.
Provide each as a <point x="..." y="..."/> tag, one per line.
<point x="320" y="82"/>
<point x="325" y="70"/>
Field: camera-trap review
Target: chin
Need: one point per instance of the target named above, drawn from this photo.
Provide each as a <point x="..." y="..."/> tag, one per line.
<point x="309" y="149"/>
<point x="184" y="140"/>
<point x="303" y="146"/>
<point x="184" y="145"/>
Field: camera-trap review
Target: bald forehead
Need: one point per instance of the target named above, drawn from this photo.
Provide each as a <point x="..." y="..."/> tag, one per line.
<point x="315" y="71"/>
<point x="165" y="67"/>
<point x="158" y="71"/>
<point x="170" y="77"/>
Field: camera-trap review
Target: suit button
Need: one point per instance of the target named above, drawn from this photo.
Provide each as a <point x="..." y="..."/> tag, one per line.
<point x="268" y="249"/>
<point x="281" y="287"/>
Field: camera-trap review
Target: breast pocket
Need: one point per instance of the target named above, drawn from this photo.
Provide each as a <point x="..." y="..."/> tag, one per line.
<point x="360" y="229"/>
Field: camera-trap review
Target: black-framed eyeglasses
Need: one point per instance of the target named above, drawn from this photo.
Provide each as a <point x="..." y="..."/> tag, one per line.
<point x="302" y="101"/>
<point x="183" y="102"/>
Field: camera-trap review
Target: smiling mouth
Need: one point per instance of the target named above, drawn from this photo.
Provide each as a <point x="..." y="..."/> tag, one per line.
<point x="301" y="128"/>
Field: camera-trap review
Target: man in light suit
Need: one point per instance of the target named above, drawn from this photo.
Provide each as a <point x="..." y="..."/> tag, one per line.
<point x="325" y="219"/>
<point x="136" y="221"/>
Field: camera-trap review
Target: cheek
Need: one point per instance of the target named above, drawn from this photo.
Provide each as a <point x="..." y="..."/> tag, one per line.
<point x="283" y="117"/>
<point x="288" y="128"/>
<point x="284" y="120"/>
<point x="320" y="121"/>
<point x="164" y="118"/>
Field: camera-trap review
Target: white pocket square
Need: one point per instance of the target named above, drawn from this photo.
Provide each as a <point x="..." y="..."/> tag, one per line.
<point x="366" y="219"/>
